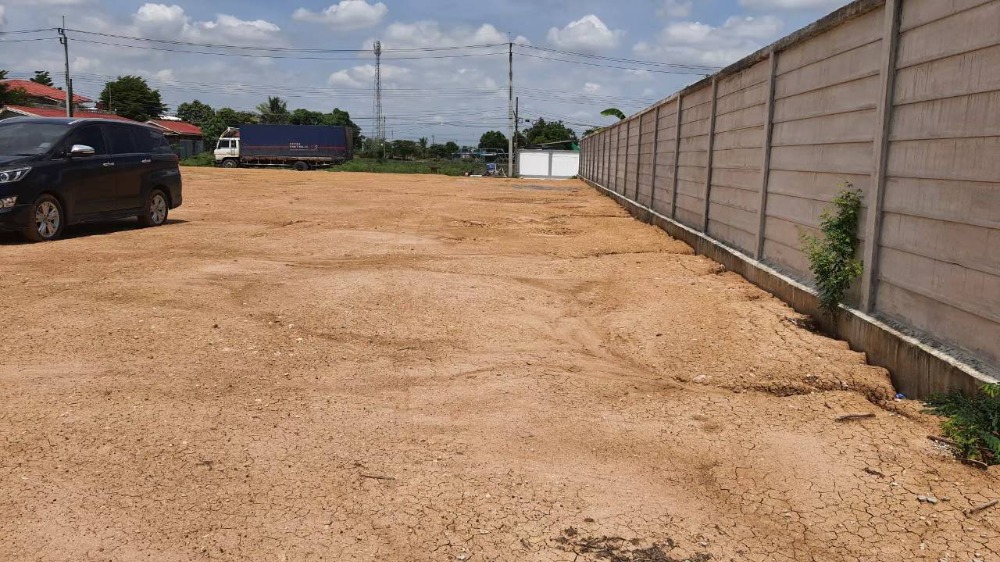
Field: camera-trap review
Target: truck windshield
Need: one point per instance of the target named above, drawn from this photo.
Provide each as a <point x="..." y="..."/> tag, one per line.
<point x="29" y="139"/>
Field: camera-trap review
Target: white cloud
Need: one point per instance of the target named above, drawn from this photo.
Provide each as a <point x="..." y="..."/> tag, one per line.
<point x="347" y="15"/>
<point x="588" y="33"/>
<point x="675" y="8"/>
<point x="163" y="21"/>
<point x="591" y="87"/>
<point x="430" y="34"/>
<point x="792" y="4"/>
<point x="363" y="76"/>
<point x="695" y="42"/>
<point x="3" y="19"/>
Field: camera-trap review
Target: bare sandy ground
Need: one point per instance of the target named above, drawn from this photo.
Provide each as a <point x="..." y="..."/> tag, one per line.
<point x="327" y="366"/>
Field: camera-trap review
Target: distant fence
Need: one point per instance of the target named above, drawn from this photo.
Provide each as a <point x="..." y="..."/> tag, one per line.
<point x="548" y="163"/>
<point x="901" y="98"/>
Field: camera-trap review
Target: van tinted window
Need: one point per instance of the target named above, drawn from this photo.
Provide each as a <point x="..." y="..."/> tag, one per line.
<point x="25" y="139"/>
<point x="152" y="141"/>
<point x="122" y="140"/>
<point x="90" y="136"/>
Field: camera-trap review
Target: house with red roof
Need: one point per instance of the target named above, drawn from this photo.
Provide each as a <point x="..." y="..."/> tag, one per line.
<point x="175" y="129"/>
<point x="186" y="138"/>
<point x="8" y="111"/>
<point x="42" y="95"/>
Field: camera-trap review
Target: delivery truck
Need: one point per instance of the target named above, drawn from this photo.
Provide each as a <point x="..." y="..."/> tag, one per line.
<point x="302" y="147"/>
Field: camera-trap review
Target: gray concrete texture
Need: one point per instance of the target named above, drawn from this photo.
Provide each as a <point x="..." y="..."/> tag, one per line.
<point x="899" y="98"/>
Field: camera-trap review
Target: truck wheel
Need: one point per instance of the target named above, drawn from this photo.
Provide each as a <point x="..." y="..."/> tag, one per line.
<point x="300" y="166"/>
<point x="230" y="163"/>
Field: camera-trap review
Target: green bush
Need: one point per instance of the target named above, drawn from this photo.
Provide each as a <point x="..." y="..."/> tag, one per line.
<point x="973" y="422"/>
<point x="831" y="258"/>
<point x="203" y="159"/>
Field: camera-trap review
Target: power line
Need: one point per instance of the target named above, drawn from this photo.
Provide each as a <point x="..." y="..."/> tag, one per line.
<point x="678" y="71"/>
<point x="27" y="40"/>
<point x="273" y="56"/>
<point x="286" y="49"/>
<point x="623" y="60"/>
<point x="23" y="31"/>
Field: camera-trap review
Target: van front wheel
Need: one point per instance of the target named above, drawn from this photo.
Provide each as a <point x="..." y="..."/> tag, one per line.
<point x="46" y="220"/>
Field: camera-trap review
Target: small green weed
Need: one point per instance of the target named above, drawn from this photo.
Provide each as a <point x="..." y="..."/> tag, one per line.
<point x="831" y="258"/>
<point x="973" y="422"/>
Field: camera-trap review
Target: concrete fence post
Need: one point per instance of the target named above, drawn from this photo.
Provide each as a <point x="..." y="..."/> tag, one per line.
<point x="765" y="166"/>
<point x="656" y="141"/>
<point x="607" y="156"/>
<point x="677" y="156"/>
<point x="624" y="165"/>
<point x="628" y="132"/>
<point x="873" y="224"/>
<point x="638" y="157"/>
<point x="711" y="151"/>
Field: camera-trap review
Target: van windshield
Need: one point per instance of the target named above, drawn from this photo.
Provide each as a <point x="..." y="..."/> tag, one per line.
<point x="29" y="139"/>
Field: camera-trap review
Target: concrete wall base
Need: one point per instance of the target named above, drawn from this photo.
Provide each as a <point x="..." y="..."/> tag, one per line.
<point x="917" y="369"/>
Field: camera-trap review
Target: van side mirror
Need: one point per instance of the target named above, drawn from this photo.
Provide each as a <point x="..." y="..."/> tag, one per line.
<point x="81" y="150"/>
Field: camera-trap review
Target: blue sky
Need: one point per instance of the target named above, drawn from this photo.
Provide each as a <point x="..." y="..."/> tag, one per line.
<point x="427" y="93"/>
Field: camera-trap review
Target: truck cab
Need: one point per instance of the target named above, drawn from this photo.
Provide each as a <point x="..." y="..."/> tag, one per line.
<point x="227" y="149"/>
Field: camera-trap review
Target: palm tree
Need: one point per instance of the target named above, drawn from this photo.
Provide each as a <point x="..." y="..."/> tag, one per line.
<point x="274" y="110"/>
<point x="614" y="112"/>
<point x="423" y="146"/>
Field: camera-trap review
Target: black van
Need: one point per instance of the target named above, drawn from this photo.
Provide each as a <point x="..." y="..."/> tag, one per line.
<point x="60" y="171"/>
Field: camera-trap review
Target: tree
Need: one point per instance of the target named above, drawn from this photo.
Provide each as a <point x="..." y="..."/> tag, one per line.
<point x="42" y="77"/>
<point x="10" y="96"/>
<point x="591" y="131"/>
<point x="493" y="140"/>
<point x="404" y="149"/>
<point x="274" y="110"/>
<point x="542" y="131"/>
<point x="222" y="119"/>
<point x="131" y="97"/>
<point x="306" y="117"/>
<point x="614" y="112"/>
<point x="451" y="148"/>
<point x="196" y="112"/>
<point x="438" y="151"/>
<point x="423" y="146"/>
<point x="341" y="117"/>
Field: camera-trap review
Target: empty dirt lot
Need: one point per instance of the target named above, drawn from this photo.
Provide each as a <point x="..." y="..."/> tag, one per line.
<point x="323" y="366"/>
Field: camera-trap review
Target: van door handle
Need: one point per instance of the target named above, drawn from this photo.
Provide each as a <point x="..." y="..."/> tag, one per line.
<point x="108" y="164"/>
<point x="147" y="160"/>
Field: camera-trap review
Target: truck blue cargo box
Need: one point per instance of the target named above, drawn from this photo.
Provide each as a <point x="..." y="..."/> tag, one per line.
<point x="295" y="141"/>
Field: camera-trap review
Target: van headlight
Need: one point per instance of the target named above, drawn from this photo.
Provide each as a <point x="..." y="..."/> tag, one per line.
<point x="8" y="202"/>
<point x="11" y="176"/>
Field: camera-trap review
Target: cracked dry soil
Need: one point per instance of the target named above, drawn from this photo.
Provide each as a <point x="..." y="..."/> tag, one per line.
<point x="320" y="366"/>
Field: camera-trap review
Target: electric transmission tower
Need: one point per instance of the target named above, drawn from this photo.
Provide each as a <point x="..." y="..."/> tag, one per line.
<point x="379" y="129"/>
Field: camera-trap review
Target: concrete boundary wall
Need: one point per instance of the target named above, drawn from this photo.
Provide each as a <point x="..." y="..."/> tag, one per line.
<point x="899" y="98"/>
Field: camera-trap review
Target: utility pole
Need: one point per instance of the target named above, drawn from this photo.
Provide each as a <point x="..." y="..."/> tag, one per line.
<point x="64" y="41"/>
<point x="510" y="107"/>
<point x="517" y="132"/>
<point x="379" y="117"/>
